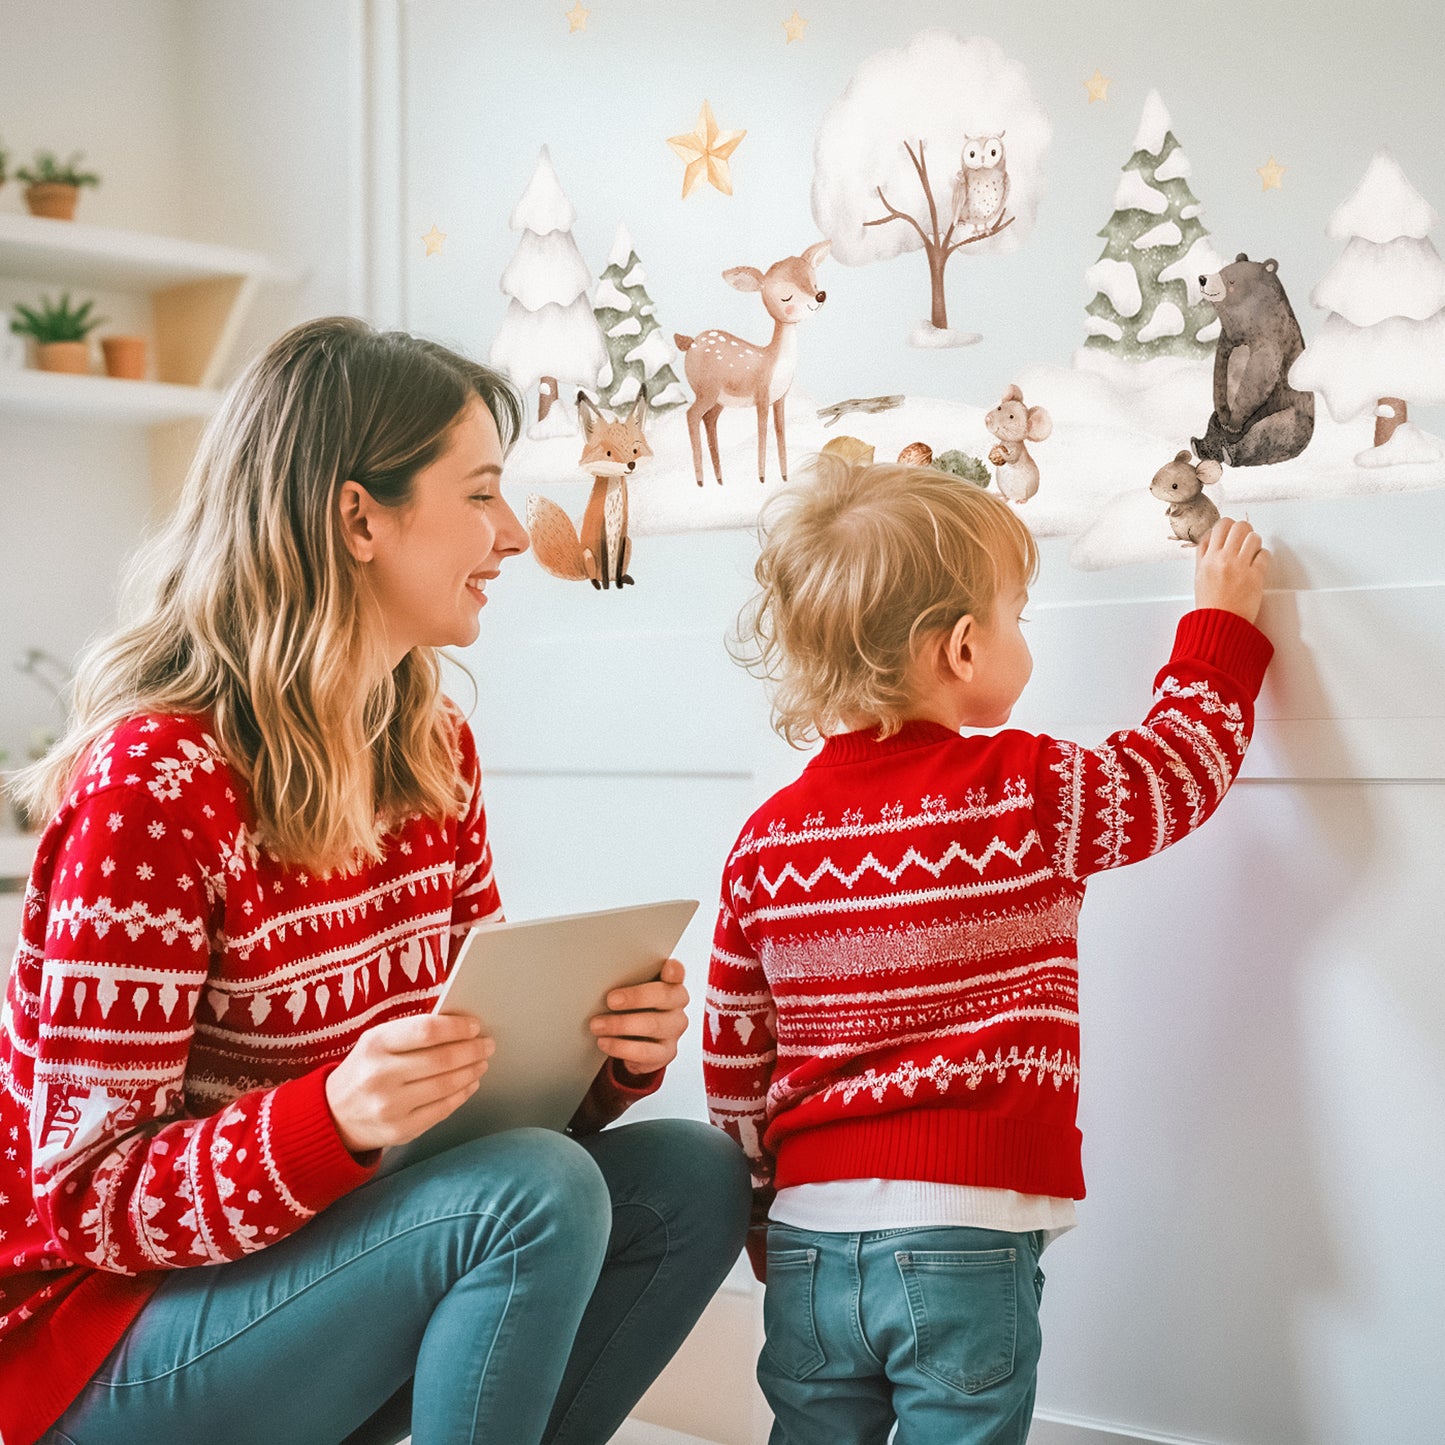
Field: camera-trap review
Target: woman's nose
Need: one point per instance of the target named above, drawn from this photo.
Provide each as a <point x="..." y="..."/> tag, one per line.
<point x="512" y="538"/>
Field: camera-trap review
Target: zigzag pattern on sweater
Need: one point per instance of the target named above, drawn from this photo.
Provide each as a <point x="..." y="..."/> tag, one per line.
<point x="949" y="893"/>
<point x="890" y="874"/>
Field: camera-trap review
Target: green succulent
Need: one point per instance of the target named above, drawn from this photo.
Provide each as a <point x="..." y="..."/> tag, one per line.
<point x="46" y="170"/>
<point x="964" y="465"/>
<point x="55" y="321"/>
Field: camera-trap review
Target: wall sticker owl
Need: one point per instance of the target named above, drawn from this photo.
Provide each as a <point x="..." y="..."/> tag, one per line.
<point x="980" y="187"/>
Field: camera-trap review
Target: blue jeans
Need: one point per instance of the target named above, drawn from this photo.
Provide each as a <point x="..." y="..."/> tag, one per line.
<point x="519" y="1288"/>
<point x="937" y="1329"/>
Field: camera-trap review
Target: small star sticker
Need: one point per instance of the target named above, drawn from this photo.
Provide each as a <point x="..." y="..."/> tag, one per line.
<point x="433" y="241"/>
<point x="577" y="18"/>
<point x="706" y="150"/>
<point x="1272" y="175"/>
<point x="1098" y="86"/>
<point x="795" y="27"/>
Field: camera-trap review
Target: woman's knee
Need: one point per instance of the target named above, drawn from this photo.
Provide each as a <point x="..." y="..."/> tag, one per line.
<point x="708" y="1157"/>
<point x="537" y="1185"/>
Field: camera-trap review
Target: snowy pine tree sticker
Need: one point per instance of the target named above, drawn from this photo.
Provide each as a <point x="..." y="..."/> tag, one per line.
<point x="639" y="356"/>
<point x="1147" y="300"/>
<point x="549" y="337"/>
<point x="1383" y="342"/>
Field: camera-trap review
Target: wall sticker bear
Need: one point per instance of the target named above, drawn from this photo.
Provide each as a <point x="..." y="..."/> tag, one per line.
<point x="1258" y="417"/>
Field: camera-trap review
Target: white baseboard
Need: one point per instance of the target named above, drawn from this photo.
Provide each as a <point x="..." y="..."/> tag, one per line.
<point x="639" y="1432"/>
<point x="1052" y="1428"/>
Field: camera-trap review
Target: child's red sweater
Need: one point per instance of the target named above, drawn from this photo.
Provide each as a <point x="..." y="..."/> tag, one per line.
<point x="176" y="1004"/>
<point x="894" y="989"/>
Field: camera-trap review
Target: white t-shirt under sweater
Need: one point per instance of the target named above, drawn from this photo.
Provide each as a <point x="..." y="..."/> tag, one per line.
<point x="856" y="1206"/>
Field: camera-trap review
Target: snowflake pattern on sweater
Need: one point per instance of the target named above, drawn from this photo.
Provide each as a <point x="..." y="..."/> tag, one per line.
<point x="177" y="1001"/>
<point x="893" y="989"/>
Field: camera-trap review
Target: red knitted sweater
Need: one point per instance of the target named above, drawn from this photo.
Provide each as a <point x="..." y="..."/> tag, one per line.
<point x="176" y="1003"/>
<point x="893" y="990"/>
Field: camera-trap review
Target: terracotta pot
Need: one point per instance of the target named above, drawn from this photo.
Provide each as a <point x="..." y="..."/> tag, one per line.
<point x="68" y="356"/>
<point x="125" y="356"/>
<point x="49" y="198"/>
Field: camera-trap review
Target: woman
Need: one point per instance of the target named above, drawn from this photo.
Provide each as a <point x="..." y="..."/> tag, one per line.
<point x="267" y="843"/>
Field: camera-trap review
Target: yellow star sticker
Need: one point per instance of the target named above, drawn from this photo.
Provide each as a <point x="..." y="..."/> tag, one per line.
<point x="795" y="27"/>
<point x="433" y="240"/>
<point x="1098" y="86"/>
<point x="1272" y="175"/>
<point x="706" y="151"/>
<point x="577" y="18"/>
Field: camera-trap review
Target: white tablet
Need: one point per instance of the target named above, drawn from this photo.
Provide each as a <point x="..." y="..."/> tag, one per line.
<point x="535" y="985"/>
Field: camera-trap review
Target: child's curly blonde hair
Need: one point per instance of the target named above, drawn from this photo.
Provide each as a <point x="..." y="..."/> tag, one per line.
<point x="858" y="565"/>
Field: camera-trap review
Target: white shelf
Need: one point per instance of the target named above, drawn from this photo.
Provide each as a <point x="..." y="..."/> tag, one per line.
<point x="104" y="259"/>
<point x="198" y="298"/>
<point x="102" y="398"/>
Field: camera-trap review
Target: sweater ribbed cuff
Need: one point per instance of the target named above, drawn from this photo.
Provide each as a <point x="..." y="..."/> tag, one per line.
<point x="313" y="1163"/>
<point x="1224" y="642"/>
<point x="634" y="1086"/>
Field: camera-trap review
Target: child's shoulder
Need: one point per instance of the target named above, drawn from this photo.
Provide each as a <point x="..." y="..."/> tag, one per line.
<point x="819" y="800"/>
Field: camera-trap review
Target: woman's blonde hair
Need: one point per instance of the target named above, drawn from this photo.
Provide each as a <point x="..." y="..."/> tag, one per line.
<point x="255" y="615"/>
<point x="857" y="566"/>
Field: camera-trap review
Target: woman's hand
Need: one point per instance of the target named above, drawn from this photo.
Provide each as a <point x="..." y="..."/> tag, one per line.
<point x="645" y="1022"/>
<point x="405" y="1075"/>
<point x="1229" y="569"/>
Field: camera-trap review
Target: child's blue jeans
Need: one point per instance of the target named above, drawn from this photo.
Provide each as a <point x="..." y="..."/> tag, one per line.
<point x="937" y="1329"/>
<point x="520" y="1288"/>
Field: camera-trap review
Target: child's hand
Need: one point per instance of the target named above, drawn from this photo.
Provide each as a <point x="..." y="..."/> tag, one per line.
<point x="1229" y="569"/>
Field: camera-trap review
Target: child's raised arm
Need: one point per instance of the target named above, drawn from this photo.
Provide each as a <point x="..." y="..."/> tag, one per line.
<point x="1145" y="788"/>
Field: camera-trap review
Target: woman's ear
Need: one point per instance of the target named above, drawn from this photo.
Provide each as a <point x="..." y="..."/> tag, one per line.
<point x="358" y="511"/>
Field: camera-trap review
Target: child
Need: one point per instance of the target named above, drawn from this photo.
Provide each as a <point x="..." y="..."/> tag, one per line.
<point x="892" y="1012"/>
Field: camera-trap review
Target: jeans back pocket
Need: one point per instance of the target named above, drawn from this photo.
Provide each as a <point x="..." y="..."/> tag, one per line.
<point x="964" y="1306"/>
<point x="791" y="1345"/>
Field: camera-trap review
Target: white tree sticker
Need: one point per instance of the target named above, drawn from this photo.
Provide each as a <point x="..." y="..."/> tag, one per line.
<point x="936" y="147"/>
<point x="549" y="336"/>
<point x="1383" y="342"/>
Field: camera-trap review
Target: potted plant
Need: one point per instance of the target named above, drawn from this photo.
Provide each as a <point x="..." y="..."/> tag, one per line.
<point x="59" y="333"/>
<point x="52" y="187"/>
<point x="125" y="357"/>
<point x="4" y="161"/>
